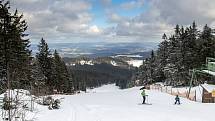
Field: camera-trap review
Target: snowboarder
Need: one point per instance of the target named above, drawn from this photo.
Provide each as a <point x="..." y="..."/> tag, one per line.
<point x="143" y="95"/>
<point x="177" y="100"/>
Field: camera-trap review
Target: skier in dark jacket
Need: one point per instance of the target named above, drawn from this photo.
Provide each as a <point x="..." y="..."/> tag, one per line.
<point x="177" y="100"/>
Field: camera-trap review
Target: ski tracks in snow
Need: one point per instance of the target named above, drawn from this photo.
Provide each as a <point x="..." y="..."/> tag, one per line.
<point x="73" y="112"/>
<point x="81" y="112"/>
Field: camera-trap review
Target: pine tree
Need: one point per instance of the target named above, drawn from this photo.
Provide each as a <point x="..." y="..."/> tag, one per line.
<point x="14" y="49"/>
<point x="184" y="50"/>
<point x="191" y="47"/>
<point x="37" y="77"/>
<point x="162" y="52"/>
<point x="61" y="80"/>
<point x="45" y="62"/>
<point x="206" y="44"/>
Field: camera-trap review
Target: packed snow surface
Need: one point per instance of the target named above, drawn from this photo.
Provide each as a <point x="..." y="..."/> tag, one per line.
<point x="135" y="63"/>
<point x="130" y="56"/>
<point x="108" y="103"/>
<point x="83" y="62"/>
<point x="209" y="72"/>
<point x="113" y="63"/>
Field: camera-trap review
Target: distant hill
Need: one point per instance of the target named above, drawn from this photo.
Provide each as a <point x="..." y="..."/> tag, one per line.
<point x="94" y="50"/>
<point x="102" y="70"/>
<point x="99" y="74"/>
<point x="123" y="61"/>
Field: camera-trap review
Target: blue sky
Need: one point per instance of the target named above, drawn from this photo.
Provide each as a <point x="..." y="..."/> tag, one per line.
<point x="99" y="11"/>
<point x="112" y="21"/>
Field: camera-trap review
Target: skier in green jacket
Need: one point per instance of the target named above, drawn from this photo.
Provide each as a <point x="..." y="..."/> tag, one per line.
<point x="144" y="96"/>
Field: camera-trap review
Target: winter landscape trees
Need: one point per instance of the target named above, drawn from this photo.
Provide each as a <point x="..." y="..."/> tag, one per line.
<point x="53" y="68"/>
<point x="18" y="68"/>
<point x="34" y="77"/>
<point x="14" y="49"/>
<point x="186" y="49"/>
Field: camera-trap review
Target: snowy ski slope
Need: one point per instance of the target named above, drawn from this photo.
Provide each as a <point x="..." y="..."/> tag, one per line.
<point x="108" y="103"/>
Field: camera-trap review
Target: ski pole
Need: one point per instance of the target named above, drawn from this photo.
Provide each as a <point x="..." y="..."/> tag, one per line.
<point x="147" y="98"/>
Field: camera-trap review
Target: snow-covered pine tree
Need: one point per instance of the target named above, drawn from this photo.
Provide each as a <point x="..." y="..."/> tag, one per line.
<point x="38" y="78"/>
<point x="184" y="50"/>
<point x="191" y="50"/>
<point x="14" y="48"/>
<point x="144" y="72"/>
<point x="45" y="62"/>
<point x="14" y="55"/>
<point x="206" y="45"/>
<point x="60" y="73"/>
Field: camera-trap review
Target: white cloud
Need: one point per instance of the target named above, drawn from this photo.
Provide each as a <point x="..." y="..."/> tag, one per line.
<point x="94" y="30"/>
<point x="161" y="17"/>
<point x="132" y="4"/>
<point x="72" y="19"/>
<point x="185" y="11"/>
<point x="55" y="18"/>
<point x="115" y="18"/>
